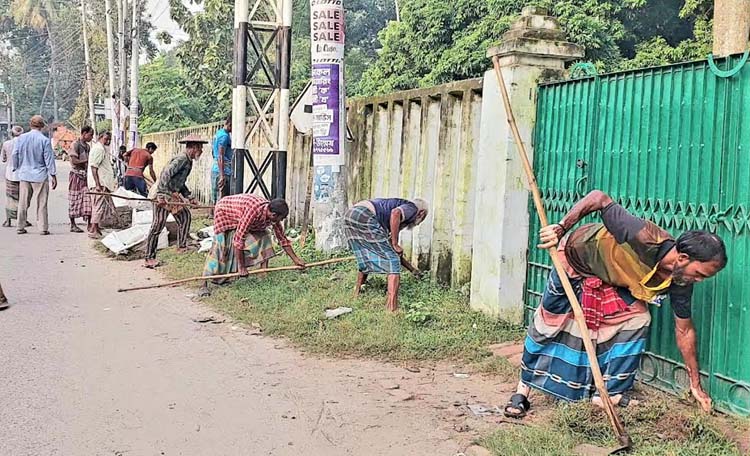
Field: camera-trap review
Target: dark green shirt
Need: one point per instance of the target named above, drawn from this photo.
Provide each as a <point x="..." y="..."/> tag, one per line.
<point x="174" y="176"/>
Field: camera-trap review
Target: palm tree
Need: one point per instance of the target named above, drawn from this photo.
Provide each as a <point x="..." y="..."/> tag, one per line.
<point x="38" y="15"/>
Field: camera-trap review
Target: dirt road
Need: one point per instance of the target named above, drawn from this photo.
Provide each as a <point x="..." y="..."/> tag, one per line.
<point x="88" y="371"/>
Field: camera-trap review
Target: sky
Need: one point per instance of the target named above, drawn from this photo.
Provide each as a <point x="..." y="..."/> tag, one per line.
<point x="159" y="12"/>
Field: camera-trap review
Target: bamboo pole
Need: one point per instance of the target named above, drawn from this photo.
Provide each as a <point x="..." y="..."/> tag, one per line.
<point x="170" y="203"/>
<point x="620" y="432"/>
<point x="236" y="274"/>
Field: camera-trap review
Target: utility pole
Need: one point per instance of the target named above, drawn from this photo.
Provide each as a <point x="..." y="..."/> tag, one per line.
<point x="284" y="44"/>
<point x="731" y="27"/>
<point x="121" y="12"/>
<point x="134" y="76"/>
<point x="110" y="55"/>
<point x="89" y="79"/>
<point x="239" y="95"/>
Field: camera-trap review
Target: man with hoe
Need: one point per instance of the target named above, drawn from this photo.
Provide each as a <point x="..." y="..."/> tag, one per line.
<point x="171" y="189"/>
<point x="241" y="238"/>
<point x="616" y="268"/>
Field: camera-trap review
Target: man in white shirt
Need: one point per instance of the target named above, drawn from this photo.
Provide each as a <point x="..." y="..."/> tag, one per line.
<point x="12" y="186"/>
<point x="101" y="179"/>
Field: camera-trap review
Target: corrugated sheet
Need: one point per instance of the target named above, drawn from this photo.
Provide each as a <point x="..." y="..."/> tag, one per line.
<point x="667" y="143"/>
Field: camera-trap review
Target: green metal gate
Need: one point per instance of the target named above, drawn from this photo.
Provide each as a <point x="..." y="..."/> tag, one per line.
<point x="671" y="144"/>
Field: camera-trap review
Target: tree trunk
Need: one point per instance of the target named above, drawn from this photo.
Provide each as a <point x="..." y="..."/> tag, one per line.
<point x="731" y="27"/>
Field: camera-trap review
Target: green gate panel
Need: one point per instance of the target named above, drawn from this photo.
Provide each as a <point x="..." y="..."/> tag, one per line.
<point x="671" y="144"/>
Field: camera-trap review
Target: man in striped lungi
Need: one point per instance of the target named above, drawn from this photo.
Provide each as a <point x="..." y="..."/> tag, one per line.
<point x="617" y="268"/>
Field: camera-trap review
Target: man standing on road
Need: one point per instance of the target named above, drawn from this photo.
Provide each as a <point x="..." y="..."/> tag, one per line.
<point x="11" y="180"/>
<point x="172" y="189"/>
<point x="138" y="160"/>
<point x="101" y="178"/>
<point x="79" y="202"/>
<point x="221" y="172"/>
<point x="241" y="237"/>
<point x="33" y="161"/>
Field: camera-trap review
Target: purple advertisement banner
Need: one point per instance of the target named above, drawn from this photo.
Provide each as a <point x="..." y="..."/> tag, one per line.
<point x="326" y="111"/>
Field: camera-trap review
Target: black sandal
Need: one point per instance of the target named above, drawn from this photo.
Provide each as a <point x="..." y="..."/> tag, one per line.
<point x="517" y="401"/>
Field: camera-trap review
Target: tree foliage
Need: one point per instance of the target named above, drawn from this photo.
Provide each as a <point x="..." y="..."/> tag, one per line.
<point x="167" y="101"/>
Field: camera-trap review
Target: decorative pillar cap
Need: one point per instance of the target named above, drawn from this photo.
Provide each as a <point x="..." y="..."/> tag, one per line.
<point x="538" y="35"/>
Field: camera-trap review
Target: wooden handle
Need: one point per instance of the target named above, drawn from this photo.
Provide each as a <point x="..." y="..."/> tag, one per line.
<point x="171" y="203"/>
<point x="580" y="319"/>
<point x="236" y="274"/>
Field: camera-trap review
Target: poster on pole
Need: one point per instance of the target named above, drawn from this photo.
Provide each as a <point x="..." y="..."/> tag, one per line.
<point x="328" y="91"/>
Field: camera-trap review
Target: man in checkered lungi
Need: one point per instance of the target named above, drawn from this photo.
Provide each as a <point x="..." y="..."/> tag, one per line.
<point x="372" y="228"/>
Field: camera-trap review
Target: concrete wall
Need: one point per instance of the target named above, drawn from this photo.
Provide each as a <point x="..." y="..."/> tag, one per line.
<point x="416" y="143"/>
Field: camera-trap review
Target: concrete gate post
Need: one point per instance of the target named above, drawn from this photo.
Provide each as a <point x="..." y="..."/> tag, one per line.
<point x="532" y="51"/>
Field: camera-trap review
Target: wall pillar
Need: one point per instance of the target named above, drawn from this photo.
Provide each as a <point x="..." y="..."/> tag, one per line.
<point x="534" y="50"/>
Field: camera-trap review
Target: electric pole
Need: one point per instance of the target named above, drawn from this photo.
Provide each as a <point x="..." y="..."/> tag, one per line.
<point x="239" y="95"/>
<point x="110" y="55"/>
<point x="731" y="27"/>
<point x="121" y="12"/>
<point x="134" y="76"/>
<point x="89" y="79"/>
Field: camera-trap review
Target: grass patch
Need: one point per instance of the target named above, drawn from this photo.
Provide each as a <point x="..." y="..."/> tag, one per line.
<point x="658" y="427"/>
<point x="433" y="323"/>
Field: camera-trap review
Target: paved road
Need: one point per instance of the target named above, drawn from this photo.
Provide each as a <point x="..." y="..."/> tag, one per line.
<point x="87" y="371"/>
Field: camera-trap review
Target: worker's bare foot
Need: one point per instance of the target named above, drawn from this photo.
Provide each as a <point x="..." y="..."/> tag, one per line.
<point x="152" y="263"/>
<point x="75" y="229"/>
<point x="204" y="292"/>
<point x="95" y="234"/>
<point x="623" y="400"/>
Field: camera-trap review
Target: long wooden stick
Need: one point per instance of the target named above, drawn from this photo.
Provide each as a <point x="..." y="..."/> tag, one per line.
<point x="308" y="197"/>
<point x="148" y="200"/>
<point x="236" y="274"/>
<point x="621" y="433"/>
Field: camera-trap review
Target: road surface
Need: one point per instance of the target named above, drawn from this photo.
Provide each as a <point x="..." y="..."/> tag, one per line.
<point x="85" y="370"/>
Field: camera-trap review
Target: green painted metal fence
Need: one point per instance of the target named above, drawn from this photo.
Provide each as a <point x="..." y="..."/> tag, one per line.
<point x="672" y="144"/>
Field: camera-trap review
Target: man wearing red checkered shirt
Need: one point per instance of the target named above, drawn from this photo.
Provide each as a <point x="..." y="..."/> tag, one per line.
<point x="241" y="237"/>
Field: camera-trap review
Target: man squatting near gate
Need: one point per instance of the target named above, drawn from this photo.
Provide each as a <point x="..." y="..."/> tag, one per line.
<point x="171" y="188"/>
<point x="241" y="238"/>
<point x="137" y="161"/>
<point x="12" y="185"/>
<point x="79" y="201"/>
<point x="372" y="229"/>
<point x="616" y="268"/>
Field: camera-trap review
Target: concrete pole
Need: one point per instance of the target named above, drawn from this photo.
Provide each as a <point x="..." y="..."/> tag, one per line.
<point x="133" y="142"/>
<point x="731" y="27"/>
<point x="87" y="57"/>
<point x="121" y="12"/>
<point x="110" y="51"/>
<point x="533" y="49"/>
<point x="239" y="94"/>
<point x="285" y="55"/>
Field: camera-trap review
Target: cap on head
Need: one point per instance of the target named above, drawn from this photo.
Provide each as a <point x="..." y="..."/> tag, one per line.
<point x="17" y="130"/>
<point x="37" y="121"/>
<point x="193" y="139"/>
